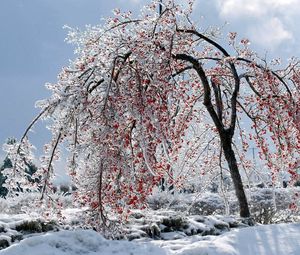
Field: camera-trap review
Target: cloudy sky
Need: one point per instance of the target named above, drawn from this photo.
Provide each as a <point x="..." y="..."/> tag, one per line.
<point x="32" y="47"/>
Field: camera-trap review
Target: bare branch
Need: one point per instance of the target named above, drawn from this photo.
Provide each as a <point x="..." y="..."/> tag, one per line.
<point x="50" y="165"/>
<point x="207" y="92"/>
<point x="26" y="132"/>
<point x="122" y="23"/>
<point x="182" y="70"/>
<point x="31" y="125"/>
<point x="274" y="73"/>
<point x="218" y="99"/>
<point x="247" y="78"/>
<point x="233" y="70"/>
<point x="114" y="76"/>
<point x="90" y="90"/>
<point x="205" y="38"/>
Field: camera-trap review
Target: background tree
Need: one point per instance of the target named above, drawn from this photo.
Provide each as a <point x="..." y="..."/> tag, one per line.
<point x="125" y="108"/>
<point x="6" y="164"/>
<point x="28" y="170"/>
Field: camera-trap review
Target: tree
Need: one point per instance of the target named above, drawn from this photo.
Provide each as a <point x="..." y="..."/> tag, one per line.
<point x="125" y="105"/>
<point x="27" y="168"/>
<point x="6" y="164"/>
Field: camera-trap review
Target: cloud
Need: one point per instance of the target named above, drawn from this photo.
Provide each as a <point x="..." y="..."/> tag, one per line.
<point x="268" y="23"/>
<point x="131" y="1"/>
<point x="255" y="8"/>
<point x="271" y="33"/>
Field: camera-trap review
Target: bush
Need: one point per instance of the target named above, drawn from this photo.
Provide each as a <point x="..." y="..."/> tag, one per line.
<point x="24" y="203"/>
<point x="268" y="206"/>
<point x="36" y="226"/>
<point x="208" y="204"/>
<point x="165" y="199"/>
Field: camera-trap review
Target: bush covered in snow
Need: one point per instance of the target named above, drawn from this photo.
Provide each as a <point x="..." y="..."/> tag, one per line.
<point x="270" y="205"/>
<point x="207" y="204"/>
<point x="27" y="203"/>
<point x="14" y="228"/>
<point x="267" y="205"/>
<point x="86" y="242"/>
<point x="169" y="224"/>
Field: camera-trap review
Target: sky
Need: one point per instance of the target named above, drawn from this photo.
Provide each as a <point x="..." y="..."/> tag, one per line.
<point x="33" y="50"/>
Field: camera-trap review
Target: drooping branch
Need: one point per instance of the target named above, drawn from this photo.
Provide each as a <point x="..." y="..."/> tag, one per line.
<point x="205" y="38"/>
<point x="233" y="70"/>
<point x="114" y="75"/>
<point x="218" y="99"/>
<point x="89" y="76"/>
<point x="247" y="78"/>
<point x="160" y="7"/>
<point x="207" y="92"/>
<point x="182" y="70"/>
<point x="91" y="89"/>
<point x="121" y="24"/>
<point x="31" y="125"/>
<point x="50" y="164"/>
<point x="233" y="107"/>
<point x="246" y="112"/>
<point x="100" y="195"/>
<point x="272" y="72"/>
<point x="26" y="132"/>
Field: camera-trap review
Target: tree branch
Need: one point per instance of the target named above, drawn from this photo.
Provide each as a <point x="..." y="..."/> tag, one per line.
<point x="233" y="70"/>
<point x="218" y="98"/>
<point x="50" y="165"/>
<point x="207" y="92"/>
<point x="90" y="90"/>
<point x="274" y="73"/>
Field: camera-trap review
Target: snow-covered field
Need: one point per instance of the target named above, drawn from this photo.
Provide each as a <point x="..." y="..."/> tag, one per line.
<point x="85" y="242"/>
<point x="164" y="231"/>
<point x="281" y="239"/>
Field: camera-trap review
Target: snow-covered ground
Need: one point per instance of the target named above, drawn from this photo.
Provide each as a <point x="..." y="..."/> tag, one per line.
<point x="79" y="242"/>
<point x="165" y="231"/>
<point x="281" y="239"/>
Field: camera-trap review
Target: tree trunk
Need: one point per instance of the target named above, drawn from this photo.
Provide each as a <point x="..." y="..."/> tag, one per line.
<point x="235" y="174"/>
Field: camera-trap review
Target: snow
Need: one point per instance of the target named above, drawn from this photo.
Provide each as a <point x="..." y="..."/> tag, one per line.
<point x="11" y="220"/>
<point x="79" y="242"/>
<point x="263" y="240"/>
<point x="8" y="225"/>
